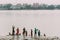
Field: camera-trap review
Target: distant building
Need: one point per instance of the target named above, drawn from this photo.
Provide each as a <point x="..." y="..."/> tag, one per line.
<point x="35" y="5"/>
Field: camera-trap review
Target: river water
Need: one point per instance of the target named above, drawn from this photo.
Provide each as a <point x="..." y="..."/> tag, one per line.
<point x="47" y="21"/>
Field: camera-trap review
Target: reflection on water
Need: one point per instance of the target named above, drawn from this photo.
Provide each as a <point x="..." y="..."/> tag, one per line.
<point x="15" y="38"/>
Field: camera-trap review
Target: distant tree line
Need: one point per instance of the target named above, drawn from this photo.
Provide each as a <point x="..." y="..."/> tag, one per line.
<point x="34" y="6"/>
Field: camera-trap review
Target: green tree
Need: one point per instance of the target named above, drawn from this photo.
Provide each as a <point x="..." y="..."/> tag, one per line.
<point x="58" y="7"/>
<point x="43" y="6"/>
<point x="28" y="6"/>
<point x="7" y="6"/>
<point x="51" y="7"/>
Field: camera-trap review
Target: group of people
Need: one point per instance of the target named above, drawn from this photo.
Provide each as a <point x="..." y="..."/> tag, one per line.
<point x="36" y="32"/>
<point x="13" y="31"/>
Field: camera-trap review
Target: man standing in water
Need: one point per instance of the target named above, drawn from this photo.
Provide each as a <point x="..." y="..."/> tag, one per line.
<point x="26" y="33"/>
<point x="13" y="30"/>
<point x="31" y="33"/>
<point x="17" y="31"/>
<point x="39" y="33"/>
<point x="24" y="30"/>
<point x="35" y="33"/>
<point x="45" y="35"/>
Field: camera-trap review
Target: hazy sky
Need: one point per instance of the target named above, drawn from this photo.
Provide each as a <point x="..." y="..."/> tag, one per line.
<point x="30" y="1"/>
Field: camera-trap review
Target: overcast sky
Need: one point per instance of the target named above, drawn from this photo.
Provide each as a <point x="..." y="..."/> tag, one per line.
<point x="30" y="1"/>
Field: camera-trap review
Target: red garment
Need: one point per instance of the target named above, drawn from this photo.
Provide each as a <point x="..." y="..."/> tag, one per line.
<point x="17" y="31"/>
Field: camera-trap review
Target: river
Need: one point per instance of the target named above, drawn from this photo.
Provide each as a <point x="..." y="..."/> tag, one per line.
<point x="47" y="21"/>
